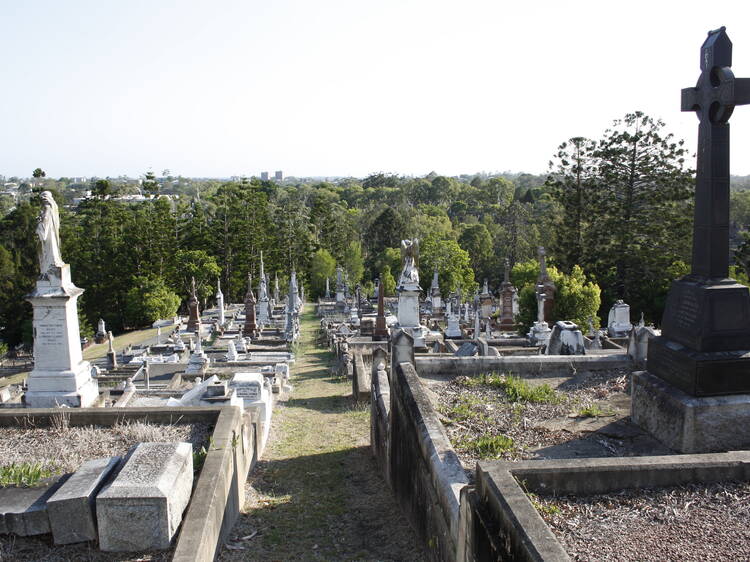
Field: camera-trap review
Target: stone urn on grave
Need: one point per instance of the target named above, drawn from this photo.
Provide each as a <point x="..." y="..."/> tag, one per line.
<point x="60" y="376"/>
<point x="695" y="394"/>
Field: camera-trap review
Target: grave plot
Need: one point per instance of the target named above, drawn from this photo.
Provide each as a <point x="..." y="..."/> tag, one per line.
<point x="33" y="458"/>
<point x="690" y="522"/>
<point x="501" y="416"/>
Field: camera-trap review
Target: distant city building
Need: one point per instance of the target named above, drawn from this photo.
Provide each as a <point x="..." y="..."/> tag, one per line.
<point x="278" y="175"/>
<point x="264" y="176"/>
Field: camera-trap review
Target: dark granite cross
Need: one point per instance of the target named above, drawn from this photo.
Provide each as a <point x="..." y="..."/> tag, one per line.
<point x="713" y="99"/>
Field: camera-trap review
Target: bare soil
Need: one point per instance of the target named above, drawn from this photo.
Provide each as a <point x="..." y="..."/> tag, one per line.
<point x="316" y="494"/>
<point x="590" y="417"/>
<point x="685" y="523"/>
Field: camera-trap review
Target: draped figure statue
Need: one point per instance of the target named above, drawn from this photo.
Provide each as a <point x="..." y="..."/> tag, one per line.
<point x="48" y="230"/>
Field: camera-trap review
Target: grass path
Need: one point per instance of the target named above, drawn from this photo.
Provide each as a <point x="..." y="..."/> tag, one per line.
<point x="316" y="493"/>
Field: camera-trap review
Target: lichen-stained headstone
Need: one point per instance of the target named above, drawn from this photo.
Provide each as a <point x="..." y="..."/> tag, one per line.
<point x="142" y="507"/>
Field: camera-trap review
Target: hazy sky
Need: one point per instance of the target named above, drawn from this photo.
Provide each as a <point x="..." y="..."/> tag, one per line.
<point x="348" y="87"/>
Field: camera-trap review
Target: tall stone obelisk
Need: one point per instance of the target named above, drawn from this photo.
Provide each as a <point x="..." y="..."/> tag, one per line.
<point x="60" y="376"/>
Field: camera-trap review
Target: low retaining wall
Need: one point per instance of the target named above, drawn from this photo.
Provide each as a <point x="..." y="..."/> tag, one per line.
<point x="420" y="464"/>
<point x="361" y="377"/>
<point x="531" y="364"/>
<point x="499" y="522"/>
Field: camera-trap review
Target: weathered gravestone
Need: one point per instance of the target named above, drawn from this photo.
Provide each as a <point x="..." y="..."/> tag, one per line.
<point x="704" y="349"/>
<point x="565" y="339"/>
<point x="60" y="377"/>
<point x="507" y="296"/>
<point x="142" y="507"/>
<point x="194" y="315"/>
<point x="71" y="508"/>
<point x="618" y="321"/>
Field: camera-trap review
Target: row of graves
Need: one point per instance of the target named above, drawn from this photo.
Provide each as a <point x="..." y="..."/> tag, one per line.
<point x="149" y="447"/>
<point x="562" y="443"/>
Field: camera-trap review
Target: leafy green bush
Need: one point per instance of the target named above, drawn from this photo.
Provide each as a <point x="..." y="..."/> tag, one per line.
<point x="518" y="390"/>
<point x="576" y="298"/>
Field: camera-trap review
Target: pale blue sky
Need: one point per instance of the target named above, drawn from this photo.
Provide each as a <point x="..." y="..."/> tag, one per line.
<point x="342" y="87"/>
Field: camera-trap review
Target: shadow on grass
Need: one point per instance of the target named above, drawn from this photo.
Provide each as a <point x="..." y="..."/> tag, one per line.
<point x="333" y="505"/>
<point x="336" y="404"/>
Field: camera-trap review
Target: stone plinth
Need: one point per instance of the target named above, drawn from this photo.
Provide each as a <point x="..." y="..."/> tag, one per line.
<point x="408" y="306"/>
<point x="142" y="508"/>
<point x="23" y="511"/>
<point x="539" y="333"/>
<point x="686" y="423"/>
<point x="60" y="376"/>
<point x="71" y="507"/>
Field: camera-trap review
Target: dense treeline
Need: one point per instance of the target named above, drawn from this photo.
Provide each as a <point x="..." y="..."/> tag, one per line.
<point x="620" y="208"/>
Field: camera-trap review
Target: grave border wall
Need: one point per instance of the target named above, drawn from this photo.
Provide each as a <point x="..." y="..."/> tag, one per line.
<point x="498" y="520"/>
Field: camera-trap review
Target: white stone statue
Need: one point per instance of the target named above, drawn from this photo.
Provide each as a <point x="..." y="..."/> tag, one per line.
<point x="48" y="231"/>
<point x="410" y="257"/>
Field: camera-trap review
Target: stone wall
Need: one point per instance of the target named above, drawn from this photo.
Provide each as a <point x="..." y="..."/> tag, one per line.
<point x="531" y="364"/>
<point x="420" y="465"/>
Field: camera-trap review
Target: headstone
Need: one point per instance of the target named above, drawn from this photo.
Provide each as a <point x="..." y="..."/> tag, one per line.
<point x="435" y="297"/>
<point x="540" y="331"/>
<point x="232" y="352"/>
<point x="71" y="509"/>
<point x="264" y="313"/>
<point x="701" y="357"/>
<point x="486" y="301"/>
<point x="549" y="287"/>
<point x="101" y="332"/>
<point x="194" y="315"/>
<point x="565" y="339"/>
<point x="453" y="330"/>
<point x="247" y="385"/>
<point x="251" y="326"/>
<point x="142" y="507"/>
<point x="618" y="323"/>
<point x="507" y="295"/>
<point x="381" y="329"/>
<point x="340" y="289"/>
<point x="638" y="341"/>
<point x="408" y="285"/>
<point x="220" y="303"/>
<point x="60" y="375"/>
<point x="111" y="353"/>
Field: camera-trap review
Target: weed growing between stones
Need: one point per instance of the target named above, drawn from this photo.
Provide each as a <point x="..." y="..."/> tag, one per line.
<point x="25" y="475"/>
<point x="593" y="411"/>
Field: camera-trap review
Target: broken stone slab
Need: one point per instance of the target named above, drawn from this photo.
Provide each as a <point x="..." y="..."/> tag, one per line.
<point x="142" y="507"/>
<point x="467" y="349"/>
<point x="71" y="509"/>
<point x="23" y="511"/>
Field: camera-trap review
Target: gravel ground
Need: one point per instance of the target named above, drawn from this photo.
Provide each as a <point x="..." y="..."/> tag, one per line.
<point x="64" y="449"/>
<point x="469" y="411"/>
<point x="695" y="522"/>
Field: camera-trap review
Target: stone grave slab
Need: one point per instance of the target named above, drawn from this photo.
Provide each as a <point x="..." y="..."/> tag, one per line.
<point x="23" y="511"/>
<point x="142" y="507"/>
<point x="71" y="509"/>
<point x="467" y="349"/>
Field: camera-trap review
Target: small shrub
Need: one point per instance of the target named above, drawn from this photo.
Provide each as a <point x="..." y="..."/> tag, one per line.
<point x="490" y="447"/>
<point x="23" y="475"/>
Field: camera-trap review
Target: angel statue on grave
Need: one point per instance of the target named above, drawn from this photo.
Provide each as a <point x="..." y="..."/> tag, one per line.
<point x="410" y="257"/>
<point x="48" y="230"/>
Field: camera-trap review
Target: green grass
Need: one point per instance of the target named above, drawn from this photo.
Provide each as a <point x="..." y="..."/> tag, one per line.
<point x="593" y="411"/>
<point x="24" y="475"/>
<point x="489" y="446"/>
<point x="516" y="389"/>
<point x="542" y="507"/>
